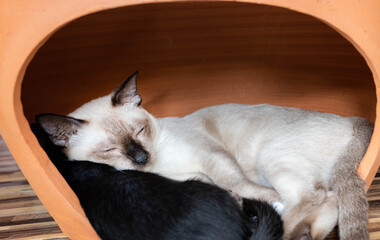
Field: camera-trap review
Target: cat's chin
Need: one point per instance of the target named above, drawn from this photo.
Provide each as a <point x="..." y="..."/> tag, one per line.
<point x="146" y="168"/>
<point x="143" y="168"/>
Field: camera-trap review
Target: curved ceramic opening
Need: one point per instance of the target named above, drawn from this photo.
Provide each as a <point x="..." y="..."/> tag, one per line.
<point x="192" y="55"/>
<point x="196" y="54"/>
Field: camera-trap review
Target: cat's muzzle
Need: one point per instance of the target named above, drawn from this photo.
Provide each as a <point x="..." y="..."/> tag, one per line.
<point x="141" y="158"/>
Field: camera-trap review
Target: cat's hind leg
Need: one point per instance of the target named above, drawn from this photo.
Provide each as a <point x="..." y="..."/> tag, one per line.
<point x="294" y="178"/>
<point x="320" y="221"/>
<point x="300" y="198"/>
<point x="294" y="217"/>
<point x="324" y="218"/>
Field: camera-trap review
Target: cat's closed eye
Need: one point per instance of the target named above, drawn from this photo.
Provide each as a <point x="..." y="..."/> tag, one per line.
<point x="108" y="149"/>
<point x="140" y="131"/>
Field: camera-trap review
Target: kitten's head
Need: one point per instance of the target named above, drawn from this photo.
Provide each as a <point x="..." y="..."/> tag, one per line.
<point x="113" y="129"/>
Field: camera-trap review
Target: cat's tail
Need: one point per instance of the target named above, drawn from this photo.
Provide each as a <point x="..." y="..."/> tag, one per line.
<point x="266" y="223"/>
<point x="349" y="187"/>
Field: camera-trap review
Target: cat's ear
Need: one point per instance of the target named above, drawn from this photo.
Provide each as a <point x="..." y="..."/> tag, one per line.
<point x="59" y="128"/>
<point x="126" y="92"/>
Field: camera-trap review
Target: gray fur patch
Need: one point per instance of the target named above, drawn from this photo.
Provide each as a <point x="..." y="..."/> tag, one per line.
<point x="349" y="187"/>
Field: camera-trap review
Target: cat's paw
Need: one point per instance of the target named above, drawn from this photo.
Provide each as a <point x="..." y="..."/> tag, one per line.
<point x="278" y="206"/>
<point x="237" y="197"/>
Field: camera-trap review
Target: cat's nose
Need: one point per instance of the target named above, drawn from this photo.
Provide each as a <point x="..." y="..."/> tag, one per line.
<point x="141" y="158"/>
<point x="137" y="153"/>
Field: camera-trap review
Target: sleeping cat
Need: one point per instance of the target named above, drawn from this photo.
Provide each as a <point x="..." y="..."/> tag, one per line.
<point x="305" y="159"/>
<point x="137" y="205"/>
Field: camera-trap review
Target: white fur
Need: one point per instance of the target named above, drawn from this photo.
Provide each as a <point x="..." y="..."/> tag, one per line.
<point x="261" y="138"/>
<point x="249" y="149"/>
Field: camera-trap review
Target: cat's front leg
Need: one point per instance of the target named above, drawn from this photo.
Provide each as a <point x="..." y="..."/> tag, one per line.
<point x="247" y="189"/>
<point x="224" y="171"/>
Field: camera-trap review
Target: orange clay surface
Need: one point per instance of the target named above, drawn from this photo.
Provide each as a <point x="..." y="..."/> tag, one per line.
<point x="319" y="55"/>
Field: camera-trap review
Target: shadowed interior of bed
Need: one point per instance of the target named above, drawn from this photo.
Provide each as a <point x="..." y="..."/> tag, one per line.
<point x="191" y="55"/>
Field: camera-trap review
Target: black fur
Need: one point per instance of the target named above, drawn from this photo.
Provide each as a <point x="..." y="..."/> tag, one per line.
<point x="139" y="205"/>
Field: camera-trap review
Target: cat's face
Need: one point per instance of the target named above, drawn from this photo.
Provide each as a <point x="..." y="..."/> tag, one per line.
<point x="114" y="130"/>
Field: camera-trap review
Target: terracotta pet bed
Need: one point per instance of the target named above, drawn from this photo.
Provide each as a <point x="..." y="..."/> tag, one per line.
<point x="55" y="55"/>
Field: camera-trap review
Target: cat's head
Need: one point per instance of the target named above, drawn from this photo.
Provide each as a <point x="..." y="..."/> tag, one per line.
<point x="113" y="129"/>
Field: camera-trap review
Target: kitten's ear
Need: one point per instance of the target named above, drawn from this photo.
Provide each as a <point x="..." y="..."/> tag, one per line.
<point x="126" y="92"/>
<point x="59" y="128"/>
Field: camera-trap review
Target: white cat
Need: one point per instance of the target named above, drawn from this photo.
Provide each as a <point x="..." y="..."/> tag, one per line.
<point x="305" y="159"/>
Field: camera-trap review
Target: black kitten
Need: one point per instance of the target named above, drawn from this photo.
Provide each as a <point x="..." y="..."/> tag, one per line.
<point x="139" y="205"/>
